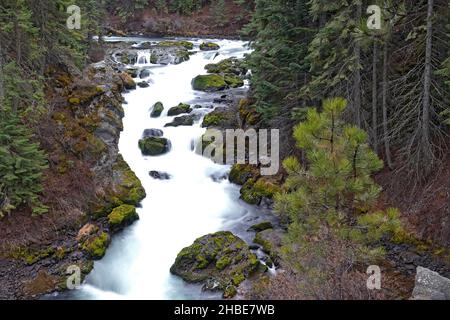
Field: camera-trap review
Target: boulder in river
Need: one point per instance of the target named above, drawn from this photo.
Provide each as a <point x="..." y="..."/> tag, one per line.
<point x="187" y="120"/>
<point x="228" y="66"/>
<point x="145" y="73"/>
<point x="222" y="261"/>
<point x="180" y="109"/>
<point x="154" y="146"/>
<point x="158" y="108"/>
<point x="209" y="83"/>
<point x="152" y="133"/>
<point x="159" y="175"/>
<point x="143" y="84"/>
<point x="209" y="46"/>
<point x="122" y="216"/>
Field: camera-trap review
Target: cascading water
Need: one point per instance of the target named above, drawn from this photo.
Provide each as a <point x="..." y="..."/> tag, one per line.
<point x="176" y="211"/>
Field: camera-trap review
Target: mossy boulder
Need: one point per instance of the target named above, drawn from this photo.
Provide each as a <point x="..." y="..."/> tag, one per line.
<point x="209" y="83"/>
<point x="122" y="216"/>
<point x="169" y="43"/>
<point x="157" y="109"/>
<point x="271" y="241"/>
<point x="180" y="109"/>
<point x="241" y="173"/>
<point x="186" y="120"/>
<point x="211" y="120"/>
<point x="265" y="225"/>
<point x="253" y="191"/>
<point x="126" y="189"/>
<point x="228" y="66"/>
<point x="209" y="46"/>
<point x="233" y="81"/>
<point x="154" y="146"/>
<point x="220" y="258"/>
<point x="96" y="246"/>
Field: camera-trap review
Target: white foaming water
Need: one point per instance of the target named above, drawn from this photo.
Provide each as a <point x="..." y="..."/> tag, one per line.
<point x="176" y="211"/>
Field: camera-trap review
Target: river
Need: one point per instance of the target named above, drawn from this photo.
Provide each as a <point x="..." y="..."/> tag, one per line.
<point x="197" y="200"/>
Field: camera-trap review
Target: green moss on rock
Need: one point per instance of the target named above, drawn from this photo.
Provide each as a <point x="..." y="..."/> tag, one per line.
<point x="241" y="173"/>
<point x="154" y="146"/>
<point x="180" y="109"/>
<point x="233" y="81"/>
<point x="185" y="44"/>
<point x="157" y="109"/>
<point x="122" y="216"/>
<point x="221" y="257"/>
<point x="209" y="46"/>
<point x="96" y="246"/>
<point x="209" y="83"/>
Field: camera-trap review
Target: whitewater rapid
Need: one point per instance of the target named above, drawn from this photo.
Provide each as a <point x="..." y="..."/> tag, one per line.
<point x="176" y="211"/>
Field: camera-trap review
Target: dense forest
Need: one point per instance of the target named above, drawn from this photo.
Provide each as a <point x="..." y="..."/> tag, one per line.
<point x="364" y="116"/>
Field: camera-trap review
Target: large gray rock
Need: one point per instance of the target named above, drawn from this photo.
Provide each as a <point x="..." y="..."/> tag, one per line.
<point x="430" y="286"/>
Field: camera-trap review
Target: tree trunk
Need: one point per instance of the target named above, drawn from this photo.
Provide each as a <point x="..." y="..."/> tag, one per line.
<point x="17" y="34"/>
<point x="427" y="77"/>
<point x="375" y="97"/>
<point x="387" y="148"/>
<point x="357" y="79"/>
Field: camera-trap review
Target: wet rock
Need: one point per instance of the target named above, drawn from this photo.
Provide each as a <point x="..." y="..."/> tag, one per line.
<point x="122" y="216"/>
<point x="157" y="109"/>
<point x="154" y="146"/>
<point x="221" y="258"/>
<point x="187" y="120"/>
<point x="143" y="84"/>
<point x="265" y="225"/>
<point x="152" y="133"/>
<point x="430" y="286"/>
<point x="180" y="109"/>
<point x="209" y="46"/>
<point x="209" y="83"/>
<point x="145" y="73"/>
<point x="271" y="241"/>
<point x="232" y="66"/>
<point x="159" y="175"/>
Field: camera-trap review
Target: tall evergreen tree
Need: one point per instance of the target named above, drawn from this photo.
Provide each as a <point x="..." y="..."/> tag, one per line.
<point x="21" y="166"/>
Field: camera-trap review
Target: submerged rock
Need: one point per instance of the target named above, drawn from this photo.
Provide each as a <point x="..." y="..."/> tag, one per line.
<point x="143" y="84"/>
<point x="154" y="146"/>
<point x="221" y="260"/>
<point x="159" y="175"/>
<point x="180" y="109"/>
<point x="158" y="108"/>
<point x="187" y="120"/>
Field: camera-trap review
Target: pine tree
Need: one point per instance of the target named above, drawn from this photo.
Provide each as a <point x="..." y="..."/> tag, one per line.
<point x="21" y="166"/>
<point x="329" y="202"/>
